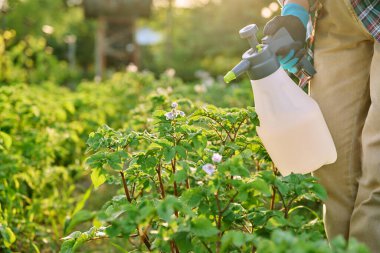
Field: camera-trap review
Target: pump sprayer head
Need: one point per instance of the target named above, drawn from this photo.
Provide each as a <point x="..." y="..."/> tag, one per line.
<point x="248" y="33"/>
<point x="261" y="60"/>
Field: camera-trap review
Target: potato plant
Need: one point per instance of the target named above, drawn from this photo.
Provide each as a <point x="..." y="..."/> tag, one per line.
<point x="190" y="177"/>
<point x="199" y="180"/>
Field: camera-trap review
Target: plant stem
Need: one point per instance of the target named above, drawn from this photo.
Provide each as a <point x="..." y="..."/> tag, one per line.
<point x="257" y="162"/>
<point x="173" y="162"/>
<point x="143" y="237"/>
<point x="219" y="222"/>
<point x="220" y="124"/>
<point x="125" y="187"/>
<point x="208" y="249"/>
<point x="162" y="189"/>
<point x="175" y="183"/>
<point x="237" y="128"/>
<point x="273" y="198"/>
<point x="229" y="202"/>
<point x="133" y="190"/>
<point x="286" y="209"/>
<point x="173" y="247"/>
<point x="219" y="134"/>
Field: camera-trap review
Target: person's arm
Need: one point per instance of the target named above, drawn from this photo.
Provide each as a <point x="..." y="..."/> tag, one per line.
<point x="303" y="3"/>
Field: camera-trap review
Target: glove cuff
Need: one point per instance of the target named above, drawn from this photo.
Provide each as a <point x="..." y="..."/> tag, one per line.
<point x="296" y="10"/>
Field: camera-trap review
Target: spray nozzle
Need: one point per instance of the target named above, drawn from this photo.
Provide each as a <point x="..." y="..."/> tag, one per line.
<point x="239" y="69"/>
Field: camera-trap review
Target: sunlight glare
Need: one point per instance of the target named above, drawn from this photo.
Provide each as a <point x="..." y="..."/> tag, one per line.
<point x="274" y="6"/>
<point x="266" y="12"/>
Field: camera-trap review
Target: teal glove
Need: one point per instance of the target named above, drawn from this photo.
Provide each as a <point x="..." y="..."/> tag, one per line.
<point x="294" y="19"/>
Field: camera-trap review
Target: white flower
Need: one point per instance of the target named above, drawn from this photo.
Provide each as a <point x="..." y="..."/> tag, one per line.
<point x="237" y="177"/>
<point x="208" y="82"/>
<point x="170" y="115"/>
<point x="170" y="72"/>
<point x="200" y="183"/>
<point x="193" y="170"/>
<point x="100" y="234"/>
<point x="132" y="68"/>
<point x="216" y="158"/>
<point x="209" y="168"/>
<point x="199" y="88"/>
<point x="174" y="105"/>
<point x="181" y="113"/>
<point x="161" y="91"/>
<point x="48" y="29"/>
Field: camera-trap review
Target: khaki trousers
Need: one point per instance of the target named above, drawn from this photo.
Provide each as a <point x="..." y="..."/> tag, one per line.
<point x="347" y="88"/>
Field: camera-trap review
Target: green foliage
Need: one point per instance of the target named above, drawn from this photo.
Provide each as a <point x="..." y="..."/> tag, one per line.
<point x="29" y="61"/>
<point x="43" y="130"/>
<point x="199" y="180"/>
<point x="190" y="176"/>
<point x="286" y="242"/>
<point x="65" y="17"/>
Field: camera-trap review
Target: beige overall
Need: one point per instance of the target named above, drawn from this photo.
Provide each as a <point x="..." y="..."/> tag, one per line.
<point x="347" y="88"/>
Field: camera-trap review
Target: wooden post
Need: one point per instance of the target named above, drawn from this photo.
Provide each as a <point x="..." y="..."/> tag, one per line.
<point x="100" y="59"/>
<point x="169" y="38"/>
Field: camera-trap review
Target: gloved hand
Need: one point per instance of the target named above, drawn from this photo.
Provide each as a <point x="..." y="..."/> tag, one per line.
<point x="294" y="19"/>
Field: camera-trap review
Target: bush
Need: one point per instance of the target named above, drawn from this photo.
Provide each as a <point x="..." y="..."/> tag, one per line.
<point x="189" y="176"/>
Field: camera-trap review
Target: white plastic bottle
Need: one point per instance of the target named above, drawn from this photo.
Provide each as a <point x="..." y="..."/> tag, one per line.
<point x="292" y="127"/>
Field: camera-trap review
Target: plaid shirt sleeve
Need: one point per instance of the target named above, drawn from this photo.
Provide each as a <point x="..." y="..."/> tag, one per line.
<point x="368" y="11"/>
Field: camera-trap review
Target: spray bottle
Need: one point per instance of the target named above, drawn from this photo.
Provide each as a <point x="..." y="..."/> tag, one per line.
<point x="292" y="127"/>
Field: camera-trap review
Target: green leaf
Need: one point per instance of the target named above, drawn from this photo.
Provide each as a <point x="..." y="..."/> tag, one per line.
<point x="181" y="151"/>
<point x="166" y="207"/>
<point x="67" y="246"/>
<point x="169" y="153"/>
<point x="5" y="140"/>
<point x="8" y="235"/>
<point x="73" y="235"/>
<point x="84" y="237"/>
<point x="78" y="218"/>
<point x="234" y="238"/>
<point x="97" y="178"/>
<point x="282" y="187"/>
<point x="319" y="191"/>
<point x="96" y="160"/>
<point x="35" y="248"/>
<point x="183" y="241"/>
<point x="200" y="142"/>
<point x="261" y="186"/>
<point x="192" y="197"/>
<point x="180" y="176"/>
<point x="82" y="202"/>
<point x="203" y="227"/>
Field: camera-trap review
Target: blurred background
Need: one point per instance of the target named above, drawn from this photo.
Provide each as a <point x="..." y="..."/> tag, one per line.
<point x="68" y="67"/>
<point x="66" y="41"/>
